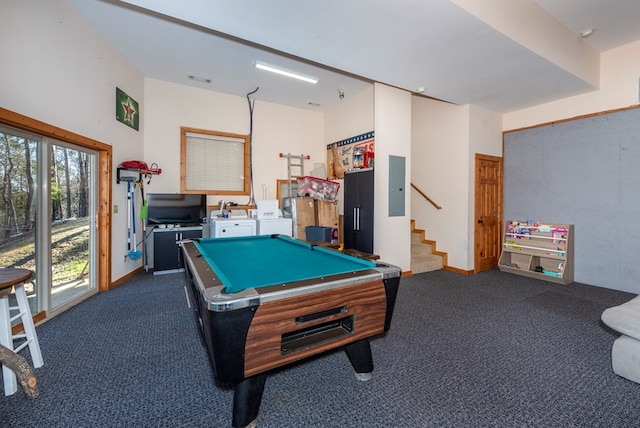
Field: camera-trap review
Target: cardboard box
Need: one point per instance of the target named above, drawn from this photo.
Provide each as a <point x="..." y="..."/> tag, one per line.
<point x="327" y="214"/>
<point x="303" y="213"/>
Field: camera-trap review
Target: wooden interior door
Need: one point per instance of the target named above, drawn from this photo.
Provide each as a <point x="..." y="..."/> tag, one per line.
<point x="488" y="212"/>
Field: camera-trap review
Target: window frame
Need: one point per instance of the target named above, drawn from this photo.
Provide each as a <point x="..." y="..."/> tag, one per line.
<point x="104" y="192"/>
<point x="183" y="161"/>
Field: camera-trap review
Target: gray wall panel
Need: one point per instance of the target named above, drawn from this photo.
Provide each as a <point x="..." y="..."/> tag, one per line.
<point x="584" y="172"/>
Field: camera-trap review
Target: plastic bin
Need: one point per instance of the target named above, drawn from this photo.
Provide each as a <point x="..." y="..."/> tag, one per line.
<point x="318" y="188"/>
<point x="318" y="233"/>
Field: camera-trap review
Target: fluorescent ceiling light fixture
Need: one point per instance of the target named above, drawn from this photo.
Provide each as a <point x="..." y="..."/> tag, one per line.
<point x="266" y="67"/>
<point x="199" y="79"/>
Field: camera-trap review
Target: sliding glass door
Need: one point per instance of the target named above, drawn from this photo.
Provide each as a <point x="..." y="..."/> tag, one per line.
<point x="47" y="217"/>
<point x="72" y="223"/>
<point x="18" y="204"/>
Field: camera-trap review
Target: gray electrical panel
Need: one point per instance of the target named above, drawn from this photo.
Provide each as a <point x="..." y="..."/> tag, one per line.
<point x="396" y="185"/>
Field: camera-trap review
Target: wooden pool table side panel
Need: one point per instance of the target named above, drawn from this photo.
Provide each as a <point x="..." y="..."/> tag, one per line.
<point x="365" y="302"/>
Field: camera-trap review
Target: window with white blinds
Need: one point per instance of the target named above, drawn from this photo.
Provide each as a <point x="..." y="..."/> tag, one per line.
<point x="214" y="162"/>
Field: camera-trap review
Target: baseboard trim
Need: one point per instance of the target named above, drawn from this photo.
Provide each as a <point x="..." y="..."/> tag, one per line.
<point x="460" y="271"/>
<point x="126" y="277"/>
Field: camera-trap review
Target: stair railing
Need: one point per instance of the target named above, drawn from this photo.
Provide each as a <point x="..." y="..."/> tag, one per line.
<point x="426" y="197"/>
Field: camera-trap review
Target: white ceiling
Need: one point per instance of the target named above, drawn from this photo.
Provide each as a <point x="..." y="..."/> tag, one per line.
<point x="458" y="50"/>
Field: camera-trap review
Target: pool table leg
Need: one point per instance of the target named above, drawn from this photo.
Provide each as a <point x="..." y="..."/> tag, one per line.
<point x="359" y="354"/>
<point x="247" y="396"/>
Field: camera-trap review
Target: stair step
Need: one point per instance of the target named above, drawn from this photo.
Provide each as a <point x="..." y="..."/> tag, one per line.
<point x="422" y="258"/>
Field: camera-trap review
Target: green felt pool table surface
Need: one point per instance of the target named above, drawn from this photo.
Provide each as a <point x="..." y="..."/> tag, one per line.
<point x="260" y="261"/>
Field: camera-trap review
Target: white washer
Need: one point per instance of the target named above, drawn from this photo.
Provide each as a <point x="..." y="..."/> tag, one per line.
<point x="230" y="227"/>
<point x="270" y="226"/>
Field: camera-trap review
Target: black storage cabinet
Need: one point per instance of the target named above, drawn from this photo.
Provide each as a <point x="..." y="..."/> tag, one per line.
<point x="167" y="254"/>
<point x="358" y="210"/>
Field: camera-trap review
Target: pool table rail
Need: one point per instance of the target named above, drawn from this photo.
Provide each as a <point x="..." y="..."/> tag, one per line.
<point x="213" y="289"/>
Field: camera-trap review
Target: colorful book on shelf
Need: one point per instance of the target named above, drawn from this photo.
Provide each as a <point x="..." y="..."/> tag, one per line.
<point x="559" y="235"/>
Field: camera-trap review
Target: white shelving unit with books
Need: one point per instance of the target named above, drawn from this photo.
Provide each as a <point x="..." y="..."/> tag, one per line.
<point x="538" y="250"/>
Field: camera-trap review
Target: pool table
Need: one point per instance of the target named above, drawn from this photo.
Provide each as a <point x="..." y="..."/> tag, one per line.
<point x="262" y="302"/>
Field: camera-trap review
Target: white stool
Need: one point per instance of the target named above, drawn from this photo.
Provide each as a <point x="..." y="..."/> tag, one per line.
<point x="16" y="278"/>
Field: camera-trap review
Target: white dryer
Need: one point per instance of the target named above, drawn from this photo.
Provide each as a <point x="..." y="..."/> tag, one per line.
<point x="230" y="227"/>
<point x="271" y="226"/>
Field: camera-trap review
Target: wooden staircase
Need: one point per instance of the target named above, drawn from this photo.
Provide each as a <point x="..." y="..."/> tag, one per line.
<point x="424" y="255"/>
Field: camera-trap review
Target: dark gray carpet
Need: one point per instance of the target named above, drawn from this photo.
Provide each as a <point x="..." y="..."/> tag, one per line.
<point x="490" y="350"/>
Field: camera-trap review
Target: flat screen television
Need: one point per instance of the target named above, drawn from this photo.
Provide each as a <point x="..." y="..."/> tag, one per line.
<point x="176" y="208"/>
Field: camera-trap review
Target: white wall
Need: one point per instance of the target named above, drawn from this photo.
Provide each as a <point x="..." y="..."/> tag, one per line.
<point x="485" y="137"/>
<point x="387" y="111"/>
<point x="59" y="70"/>
<point x="276" y="129"/>
<point x="485" y="132"/>
<point x="440" y="168"/>
<point x="619" y="74"/>
<point x="353" y="116"/>
<point x="392" y="235"/>
<point x="445" y="139"/>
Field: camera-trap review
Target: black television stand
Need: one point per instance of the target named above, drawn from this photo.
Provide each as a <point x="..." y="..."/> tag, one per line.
<point x="167" y="253"/>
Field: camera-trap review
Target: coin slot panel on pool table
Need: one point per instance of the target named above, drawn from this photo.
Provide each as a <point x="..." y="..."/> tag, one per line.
<point x="322" y="314"/>
<point x="310" y="336"/>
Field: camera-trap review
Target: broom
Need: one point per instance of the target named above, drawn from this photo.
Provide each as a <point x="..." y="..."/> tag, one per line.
<point x="134" y="254"/>
<point x="143" y="217"/>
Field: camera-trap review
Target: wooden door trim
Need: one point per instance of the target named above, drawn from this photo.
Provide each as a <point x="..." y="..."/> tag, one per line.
<point x="25" y="123"/>
<point x="500" y="212"/>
